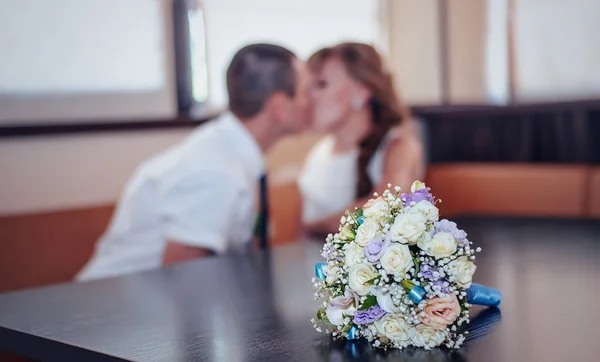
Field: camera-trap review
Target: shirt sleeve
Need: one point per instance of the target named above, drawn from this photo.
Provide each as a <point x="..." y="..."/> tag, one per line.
<point x="199" y="210"/>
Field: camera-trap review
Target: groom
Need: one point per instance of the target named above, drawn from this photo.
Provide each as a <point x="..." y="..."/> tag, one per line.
<point x="199" y="197"/>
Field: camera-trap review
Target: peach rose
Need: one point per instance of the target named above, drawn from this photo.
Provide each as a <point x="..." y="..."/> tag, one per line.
<point x="440" y="312"/>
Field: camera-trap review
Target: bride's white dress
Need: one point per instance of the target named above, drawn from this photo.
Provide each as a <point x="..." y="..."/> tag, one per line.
<point x="328" y="181"/>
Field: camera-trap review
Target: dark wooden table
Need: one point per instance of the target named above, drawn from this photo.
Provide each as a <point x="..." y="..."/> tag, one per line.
<point x="257" y="307"/>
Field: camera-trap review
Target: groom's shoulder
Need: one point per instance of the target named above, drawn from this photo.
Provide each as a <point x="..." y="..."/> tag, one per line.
<point x="201" y="151"/>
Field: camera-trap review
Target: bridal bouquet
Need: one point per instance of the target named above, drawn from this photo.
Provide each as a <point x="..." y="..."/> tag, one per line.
<point x="397" y="275"/>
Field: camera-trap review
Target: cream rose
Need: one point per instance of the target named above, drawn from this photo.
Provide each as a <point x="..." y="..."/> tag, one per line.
<point x="409" y="228"/>
<point x="428" y="337"/>
<point x="340" y="306"/>
<point x="360" y="278"/>
<point x="394" y="327"/>
<point x="353" y="254"/>
<point x="441" y="245"/>
<point x="426" y="208"/>
<point x="417" y="185"/>
<point x="463" y="269"/>
<point x="376" y="209"/>
<point x="369" y="229"/>
<point x="440" y="312"/>
<point x="397" y="260"/>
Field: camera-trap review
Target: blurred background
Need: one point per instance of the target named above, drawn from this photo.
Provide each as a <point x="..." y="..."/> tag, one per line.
<point x="507" y="93"/>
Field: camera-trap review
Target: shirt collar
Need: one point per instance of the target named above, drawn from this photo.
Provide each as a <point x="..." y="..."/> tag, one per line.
<point x="244" y="145"/>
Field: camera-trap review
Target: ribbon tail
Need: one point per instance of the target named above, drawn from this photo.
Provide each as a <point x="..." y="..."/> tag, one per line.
<point x="478" y="294"/>
<point x="320" y="270"/>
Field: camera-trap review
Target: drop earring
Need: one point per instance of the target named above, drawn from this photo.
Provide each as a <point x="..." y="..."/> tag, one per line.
<point x="356" y="104"/>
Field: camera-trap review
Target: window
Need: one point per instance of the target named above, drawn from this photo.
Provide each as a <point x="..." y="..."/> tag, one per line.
<point x="303" y="26"/>
<point x="553" y="53"/>
<point x="75" y="60"/>
<point x="199" y="72"/>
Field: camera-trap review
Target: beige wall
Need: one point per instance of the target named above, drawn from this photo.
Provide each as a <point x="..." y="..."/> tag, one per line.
<point x="466" y="45"/>
<point x="415" y="49"/>
<point x="62" y="172"/>
<point x="48" y="173"/>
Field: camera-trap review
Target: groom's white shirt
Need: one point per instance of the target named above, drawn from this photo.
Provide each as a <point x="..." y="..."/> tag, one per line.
<point x="200" y="192"/>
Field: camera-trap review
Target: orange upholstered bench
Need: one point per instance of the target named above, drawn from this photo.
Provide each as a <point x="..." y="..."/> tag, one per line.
<point x="511" y="189"/>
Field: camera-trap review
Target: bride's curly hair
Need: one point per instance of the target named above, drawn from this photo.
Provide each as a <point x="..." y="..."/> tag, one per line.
<point x="365" y="65"/>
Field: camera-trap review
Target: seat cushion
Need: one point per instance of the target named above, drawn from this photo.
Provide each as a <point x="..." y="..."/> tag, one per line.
<point x="510" y="189"/>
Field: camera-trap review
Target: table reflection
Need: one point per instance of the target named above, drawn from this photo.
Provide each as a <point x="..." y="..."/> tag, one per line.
<point x="341" y="350"/>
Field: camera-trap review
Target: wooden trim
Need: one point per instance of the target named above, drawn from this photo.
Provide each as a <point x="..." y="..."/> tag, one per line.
<point x="45" y="128"/>
<point x="182" y="121"/>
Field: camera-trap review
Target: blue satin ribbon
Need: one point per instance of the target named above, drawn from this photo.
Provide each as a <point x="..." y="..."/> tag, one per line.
<point x="477" y="294"/>
<point x="360" y="220"/>
<point x="320" y="270"/>
<point x="417" y="294"/>
<point x="352" y="333"/>
<point x="481" y="295"/>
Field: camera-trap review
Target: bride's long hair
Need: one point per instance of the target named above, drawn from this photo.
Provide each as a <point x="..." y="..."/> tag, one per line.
<point x="365" y="65"/>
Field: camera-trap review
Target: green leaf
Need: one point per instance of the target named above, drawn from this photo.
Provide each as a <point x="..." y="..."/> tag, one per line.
<point x="417" y="265"/>
<point x="322" y="316"/>
<point x="358" y="212"/>
<point x="346" y="329"/>
<point x="374" y="280"/>
<point x="370" y="301"/>
<point x="407" y="285"/>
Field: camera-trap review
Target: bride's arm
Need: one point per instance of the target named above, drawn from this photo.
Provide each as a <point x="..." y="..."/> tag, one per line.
<point x="403" y="164"/>
<point x="403" y="161"/>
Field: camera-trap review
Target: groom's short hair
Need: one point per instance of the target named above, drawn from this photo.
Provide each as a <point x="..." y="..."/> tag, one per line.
<point x="256" y="72"/>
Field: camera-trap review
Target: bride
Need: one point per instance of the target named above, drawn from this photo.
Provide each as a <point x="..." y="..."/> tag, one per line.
<point x="371" y="140"/>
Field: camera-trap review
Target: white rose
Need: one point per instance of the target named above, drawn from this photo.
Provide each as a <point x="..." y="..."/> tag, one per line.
<point x="428" y="337"/>
<point x="441" y="245"/>
<point x="409" y="228"/>
<point x="376" y="209"/>
<point x="360" y="278"/>
<point x="353" y="254"/>
<point x="463" y="270"/>
<point x="369" y="230"/>
<point x="427" y="209"/>
<point x="394" y="327"/>
<point x="340" y="306"/>
<point x="385" y="302"/>
<point x="397" y="260"/>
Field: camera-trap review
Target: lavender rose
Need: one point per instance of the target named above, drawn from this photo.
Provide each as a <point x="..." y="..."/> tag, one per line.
<point x="418" y="195"/>
<point x="376" y="247"/>
<point x="368" y="316"/>
<point x="451" y="228"/>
